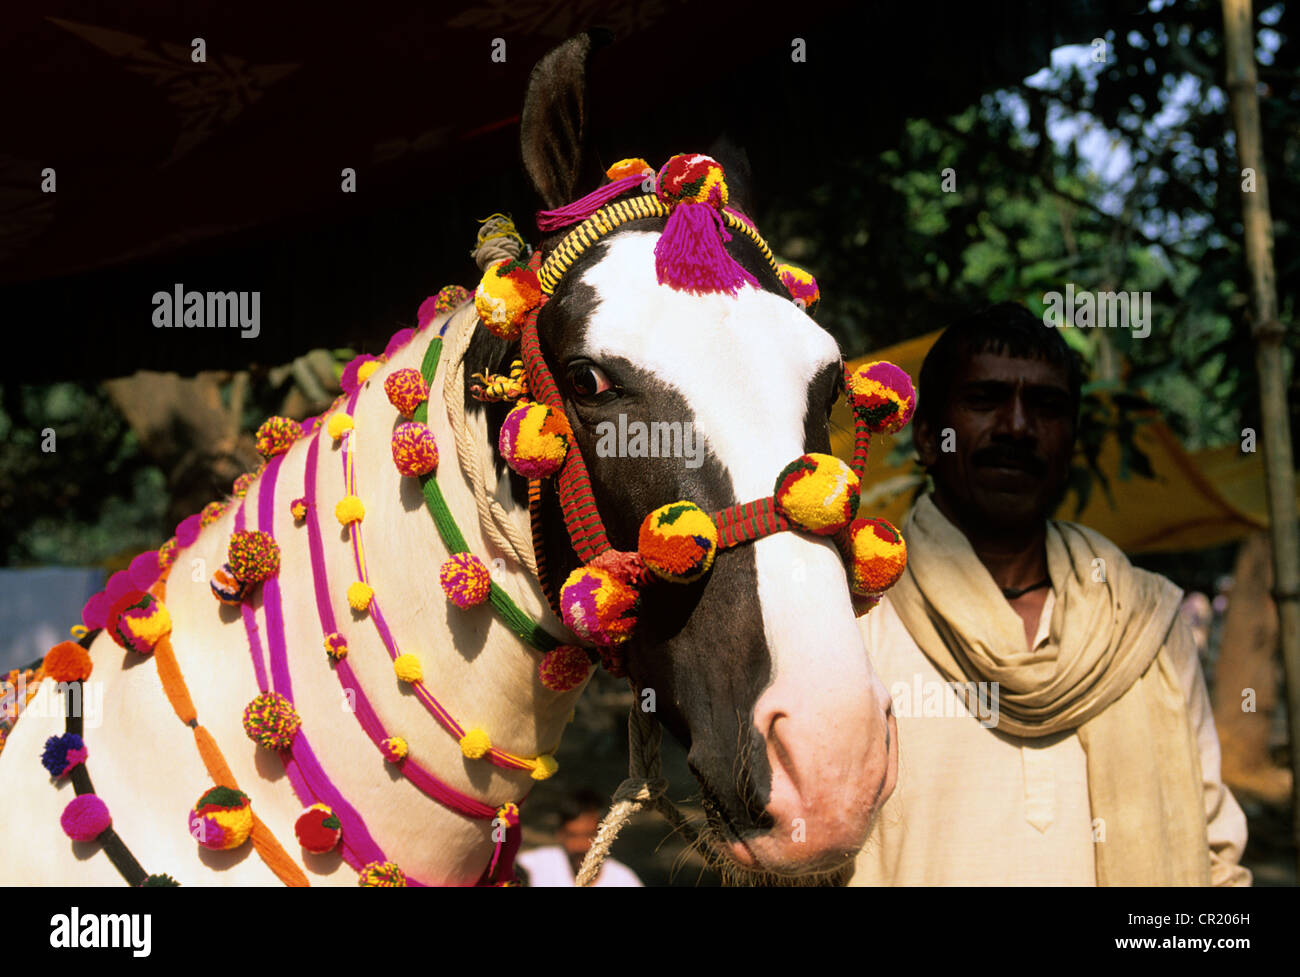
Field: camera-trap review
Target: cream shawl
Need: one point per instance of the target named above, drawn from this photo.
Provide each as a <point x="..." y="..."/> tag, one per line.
<point x="1103" y="674"/>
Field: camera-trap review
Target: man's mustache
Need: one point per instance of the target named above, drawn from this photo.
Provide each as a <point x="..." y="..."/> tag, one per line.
<point x="1009" y="456"/>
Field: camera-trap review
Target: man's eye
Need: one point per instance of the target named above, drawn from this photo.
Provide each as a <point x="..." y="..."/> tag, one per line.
<point x="588" y="380"/>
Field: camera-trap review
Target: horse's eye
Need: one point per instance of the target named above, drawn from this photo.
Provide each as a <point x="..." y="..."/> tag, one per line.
<point x="587" y="380"/>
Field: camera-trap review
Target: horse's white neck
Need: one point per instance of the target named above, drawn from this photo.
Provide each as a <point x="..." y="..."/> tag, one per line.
<point x="479" y="671"/>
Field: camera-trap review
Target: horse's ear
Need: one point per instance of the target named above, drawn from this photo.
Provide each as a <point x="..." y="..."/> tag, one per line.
<point x="553" y="123"/>
<point x="740" y="180"/>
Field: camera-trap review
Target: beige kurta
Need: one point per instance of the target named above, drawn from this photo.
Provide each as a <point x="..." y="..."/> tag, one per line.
<point x="975" y="806"/>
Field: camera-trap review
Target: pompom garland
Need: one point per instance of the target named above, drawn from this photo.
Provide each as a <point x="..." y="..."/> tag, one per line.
<point x="465" y="580"/>
<point x="415" y="450"/>
<point x="359" y="595"/>
<point x="336" y="646"/>
<point x="448" y="299"/>
<point x="167" y="554"/>
<point x="271" y="721"/>
<point x="318" y="829"/>
<point x="564" y="668"/>
<point x="67" y="662"/>
<point x="598" y="607"/>
<point x="407" y="668"/>
<point x="818" y="493"/>
<point x="535" y="439"/>
<point x="394" y="749"/>
<point x="211" y="513"/>
<point x="475" y="744"/>
<point x="678" y="542"/>
<point x="801" y="286"/>
<point x="85" y="818"/>
<point x="277" y="435"/>
<point x="228" y="588"/>
<point x="221" y="819"/>
<point x="507" y="292"/>
<point x="62" y="754"/>
<point x="339" y="424"/>
<point x="381" y="875"/>
<point x="137" y="621"/>
<point x="350" y="509"/>
<point x="882" y="395"/>
<point x="253" y="555"/>
<point x="243" y="483"/>
<point x="876" y="556"/>
<point x="406" y="390"/>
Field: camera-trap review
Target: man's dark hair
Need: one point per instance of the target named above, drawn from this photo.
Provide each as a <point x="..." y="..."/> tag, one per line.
<point x="579" y="803"/>
<point x="1007" y="328"/>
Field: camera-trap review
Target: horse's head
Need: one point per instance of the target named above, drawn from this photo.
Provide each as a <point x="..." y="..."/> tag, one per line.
<point x="757" y="667"/>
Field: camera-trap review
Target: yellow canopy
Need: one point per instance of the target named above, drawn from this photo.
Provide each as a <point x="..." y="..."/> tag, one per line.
<point x="1195" y="501"/>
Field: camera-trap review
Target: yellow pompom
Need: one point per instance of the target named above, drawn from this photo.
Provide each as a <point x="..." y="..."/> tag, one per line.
<point x="349" y="510"/>
<point x="366" y="370"/>
<point x="359" y="595"/>
<point x="546" y="766"/>
<point x="475" y="744"/>
<point x="408" y="668"/>
<point x="339" y="424"/>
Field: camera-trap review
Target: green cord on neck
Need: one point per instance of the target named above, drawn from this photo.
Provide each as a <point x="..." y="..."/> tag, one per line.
<point x="512" y="616"/>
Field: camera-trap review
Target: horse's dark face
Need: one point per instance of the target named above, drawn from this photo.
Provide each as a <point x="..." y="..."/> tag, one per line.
<point x="759" y="668"/>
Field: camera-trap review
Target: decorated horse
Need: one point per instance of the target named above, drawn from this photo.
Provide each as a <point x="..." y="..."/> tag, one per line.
<point x="357" y="666"/>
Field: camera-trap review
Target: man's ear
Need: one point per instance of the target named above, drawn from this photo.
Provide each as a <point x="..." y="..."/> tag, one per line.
<point x="923" y="438"/>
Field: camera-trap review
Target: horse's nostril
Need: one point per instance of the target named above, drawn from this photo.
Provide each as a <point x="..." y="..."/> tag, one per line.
<point x="780" y="753"/>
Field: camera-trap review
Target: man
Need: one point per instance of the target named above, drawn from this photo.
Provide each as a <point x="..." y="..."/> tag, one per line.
<point x="558" y="865"/>
<point x="1054" y="727"/>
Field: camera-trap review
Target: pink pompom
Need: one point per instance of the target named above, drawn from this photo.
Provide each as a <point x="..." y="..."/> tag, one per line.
<point x="188" y="530"/>
<point x="144" y="570"/>
<point x="95" y="612"/>
<point x="415" y="450"/>
<point x="400" y="339"/>
<point x="85" y="818"/>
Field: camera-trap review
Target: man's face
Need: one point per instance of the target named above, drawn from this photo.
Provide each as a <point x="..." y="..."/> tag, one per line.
<point x="576" y="835"/>
<point x="1011" y="441"/>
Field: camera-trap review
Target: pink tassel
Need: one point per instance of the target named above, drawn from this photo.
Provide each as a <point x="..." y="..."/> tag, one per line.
<point x="549" y="220"/>
<point x="690" y="256"/>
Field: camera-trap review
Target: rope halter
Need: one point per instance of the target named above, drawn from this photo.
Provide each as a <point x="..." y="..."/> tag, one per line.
<point x="677" y="543"/>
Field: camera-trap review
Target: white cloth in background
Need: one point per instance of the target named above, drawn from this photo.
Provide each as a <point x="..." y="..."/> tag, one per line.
<point x="550" y="867"/>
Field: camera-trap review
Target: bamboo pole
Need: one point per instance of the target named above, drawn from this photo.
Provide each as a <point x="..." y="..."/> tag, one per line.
<point x="1257" y="224"/>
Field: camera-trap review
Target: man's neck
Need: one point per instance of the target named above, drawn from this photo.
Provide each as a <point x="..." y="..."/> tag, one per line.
<point x="1015" y="560"/>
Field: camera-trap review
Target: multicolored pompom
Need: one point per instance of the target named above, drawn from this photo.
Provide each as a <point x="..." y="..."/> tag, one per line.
<point x="167" y="554"/>
<point x="138" y="621"/>
<point x="882" y="395"/>
<point x="85" y="818"/>
<point x="63" y="753"/>
<point x="876" y="556"/>
<point x="318" y="829"/>
<point x="239" y="488"/>
<point x="394" y="749"/>
<point x="818" y="493"/>
<point x="298" y="509"/>
<point x="692" y="178"/>
<point x="598" y="607"/>
<point x="221" y="819"/>
<point x="678" y="542"/>
<point x="406" y="390"/>
<point x="336" y="646"/>
<point x="508" y="291"/>
<point x="67" y="662"/>
<point x="277" y="435"/>
<point x="564" y="668"/>
<point x="448" y="299"/>
<point x="465" y="580"/>
<point x="381" y="875"/>
<point x="535" y="439"/>
<point x="801" y="286"/>
<point x="271" y="721"/>
<point x="228" y="588"/>
<point x="212" y="512"/>
<point x="415" y="450"/>
<point x="253" y="555"/>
